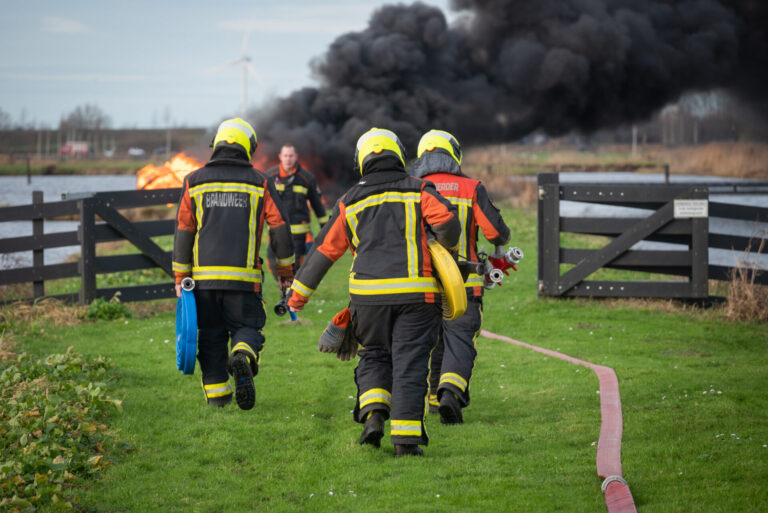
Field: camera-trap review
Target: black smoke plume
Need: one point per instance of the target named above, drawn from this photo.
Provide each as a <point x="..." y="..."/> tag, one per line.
<point x="508" y="67"/>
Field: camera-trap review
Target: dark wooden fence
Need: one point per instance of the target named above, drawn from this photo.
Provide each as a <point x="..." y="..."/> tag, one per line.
<point x="680" y="215"/>
<point x="113" y="227"/>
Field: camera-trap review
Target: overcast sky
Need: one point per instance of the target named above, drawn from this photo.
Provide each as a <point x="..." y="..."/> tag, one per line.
<point x="153" y="63"/>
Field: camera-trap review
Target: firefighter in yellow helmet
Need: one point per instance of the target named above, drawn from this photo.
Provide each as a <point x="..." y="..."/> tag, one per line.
<point x="439" y="161"/>
<point x="394" y="298"/>
<point x="222" y="209"/>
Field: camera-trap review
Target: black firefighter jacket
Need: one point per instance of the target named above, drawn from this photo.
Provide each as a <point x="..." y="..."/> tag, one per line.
<point x="219" y="223"/>
<point x="383" y="220"/>
<point x="295" y="190"/>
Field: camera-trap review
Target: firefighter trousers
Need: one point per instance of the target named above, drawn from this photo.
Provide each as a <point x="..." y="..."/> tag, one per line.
<point x="391" y="375"/>
<point x="454" y="356"/>
<point x="223" y="315"/>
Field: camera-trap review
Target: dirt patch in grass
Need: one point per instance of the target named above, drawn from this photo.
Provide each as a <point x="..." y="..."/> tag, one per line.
<point x="51" y="312"/>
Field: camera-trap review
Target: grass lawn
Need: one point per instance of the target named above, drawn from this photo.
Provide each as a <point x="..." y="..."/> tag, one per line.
<point x="693" y="390"/>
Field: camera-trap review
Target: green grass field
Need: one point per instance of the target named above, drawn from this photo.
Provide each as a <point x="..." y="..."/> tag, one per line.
<point x="693" y="390"/>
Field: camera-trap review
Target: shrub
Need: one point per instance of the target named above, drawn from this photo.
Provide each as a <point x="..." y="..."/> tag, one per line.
<point x="106" y="310"/>
<point x="747" y="300"/>
<point x="51" y="428"/>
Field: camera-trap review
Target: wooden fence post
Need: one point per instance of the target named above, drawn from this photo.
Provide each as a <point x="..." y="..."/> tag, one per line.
<point x="548" y="190"/>
<point x="87" y="263"/>
<point x="700" y="248"/>
<point x="38" y="254"/>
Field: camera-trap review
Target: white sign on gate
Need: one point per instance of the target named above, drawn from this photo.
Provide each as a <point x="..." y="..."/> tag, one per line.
<point x="687" y="208"/>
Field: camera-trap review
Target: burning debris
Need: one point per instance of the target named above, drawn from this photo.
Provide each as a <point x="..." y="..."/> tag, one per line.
<point x="167" y="176"/>
<point x="509" y="67"/>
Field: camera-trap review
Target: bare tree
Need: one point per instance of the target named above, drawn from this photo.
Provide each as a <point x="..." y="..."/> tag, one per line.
<point x="86" y="117"/>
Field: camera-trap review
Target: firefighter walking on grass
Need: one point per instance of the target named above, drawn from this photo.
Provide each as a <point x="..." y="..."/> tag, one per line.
<point x="439" y="161"/>
<point x="221" y="214"/>
<point x="297" y="188"/>
<point x="395" y="303"/>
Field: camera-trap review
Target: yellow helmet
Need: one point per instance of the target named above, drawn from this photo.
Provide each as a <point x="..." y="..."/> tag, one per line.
<point x="378" y="142"/>
<point x="236" y="131"/>
<point x="442" y="140"/>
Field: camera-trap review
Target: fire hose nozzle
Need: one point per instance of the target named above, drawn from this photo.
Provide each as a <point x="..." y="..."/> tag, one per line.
<point x="496" y="275"/>
<point x="281" y="308"/>
<point x="514" y="255"/>
<point x="187" y="284"/>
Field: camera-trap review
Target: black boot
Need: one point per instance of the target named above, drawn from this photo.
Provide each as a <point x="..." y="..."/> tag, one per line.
<point x="373" y="430"/>
<point x="450" y="409"/>
<point x="407" y="450"/>
<point x="245" y="392"/>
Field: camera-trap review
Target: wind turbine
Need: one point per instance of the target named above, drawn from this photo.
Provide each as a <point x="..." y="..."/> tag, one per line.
<point x="247" y="68"/>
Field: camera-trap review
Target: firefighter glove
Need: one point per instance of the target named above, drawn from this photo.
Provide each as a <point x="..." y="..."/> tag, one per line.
<point x="333" y="335"/>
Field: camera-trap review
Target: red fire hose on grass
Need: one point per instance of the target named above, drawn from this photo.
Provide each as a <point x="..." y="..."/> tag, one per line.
<point x="618" y="498"/>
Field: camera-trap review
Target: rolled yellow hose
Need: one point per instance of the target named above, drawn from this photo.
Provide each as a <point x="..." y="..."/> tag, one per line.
<point x="454" y="295"/>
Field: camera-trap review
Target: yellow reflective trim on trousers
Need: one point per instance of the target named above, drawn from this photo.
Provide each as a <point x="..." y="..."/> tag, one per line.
<point x="454" y="379"/>
<point x="405" y="428"/>
<point x="301" y="288"/>
<point x="375" y="395"/>
<point x="474" y="280"/>
<point x="242" y="346"/>
<point x="181" y="267"/>
<point x="300" y="189"/>
<point x="477" y="333"/>
<point x="432" y="399"/>
<point x="226" y="273"/>
<point x="217" y="389"/>
<point x="392" y="286"/>
<point x="299" y="229"/>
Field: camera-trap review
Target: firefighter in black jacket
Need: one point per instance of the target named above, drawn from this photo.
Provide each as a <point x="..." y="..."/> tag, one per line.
<point x="222" y="210"/>
<point x="439" y="161"/>
<point x="395" y="300"/>
<point x="296" y="186"/>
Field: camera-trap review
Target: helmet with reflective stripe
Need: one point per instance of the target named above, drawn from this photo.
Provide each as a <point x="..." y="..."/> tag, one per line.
<point x="439" y="139"/>
<point x="236" y="132"/>
<point x="378" y="142"/>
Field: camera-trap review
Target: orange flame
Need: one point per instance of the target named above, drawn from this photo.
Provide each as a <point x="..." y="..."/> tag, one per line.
<point x="168" y="176"/>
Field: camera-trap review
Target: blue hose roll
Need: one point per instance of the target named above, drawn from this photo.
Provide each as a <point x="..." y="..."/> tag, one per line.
<point x="186" y="328"/>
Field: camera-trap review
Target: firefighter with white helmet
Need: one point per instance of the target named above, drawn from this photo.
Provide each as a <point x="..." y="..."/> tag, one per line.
<point x="221" y="213"/>
<point x="439" y="161"/>
<point x="395" y="300"/>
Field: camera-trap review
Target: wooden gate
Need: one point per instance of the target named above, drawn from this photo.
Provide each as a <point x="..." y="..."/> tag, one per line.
<point x="88" y="208"/>
<point x="680" y="215"/>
